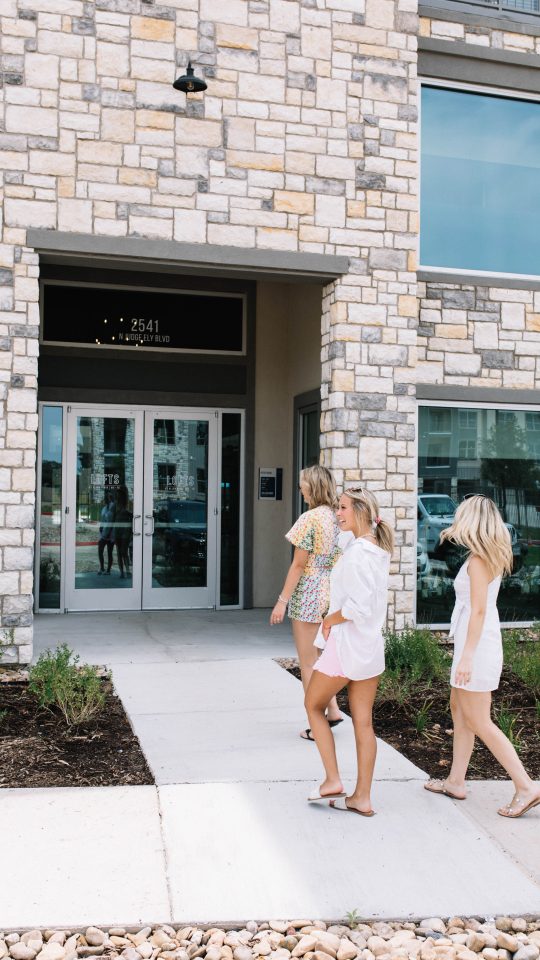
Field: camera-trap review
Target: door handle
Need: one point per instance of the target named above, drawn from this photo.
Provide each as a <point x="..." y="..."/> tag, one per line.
<point x="136" y="533"/>
<point x="150" y="516"/>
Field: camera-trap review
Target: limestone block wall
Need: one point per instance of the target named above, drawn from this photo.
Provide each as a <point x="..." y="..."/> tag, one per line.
<point x="305" y="140"/>
<point x="469" y="334"/>
<point x="479" y="336"/>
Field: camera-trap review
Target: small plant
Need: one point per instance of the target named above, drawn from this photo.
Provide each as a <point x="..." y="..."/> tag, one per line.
<point x="352" y="918"/>
<point x="58" y="682"/>
<point x="507" y="722"/>
<point x="421" y="717"/>
<point x="415" y="653"/>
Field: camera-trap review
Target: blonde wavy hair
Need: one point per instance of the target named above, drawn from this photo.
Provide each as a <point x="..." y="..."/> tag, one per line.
<point x="366" y="509"/>
<point x="479" y="527"/>
<point x="321" y="486"/>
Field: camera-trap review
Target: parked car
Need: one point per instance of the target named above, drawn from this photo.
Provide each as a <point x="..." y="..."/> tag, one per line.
<point x="435" y="513"/>
<point x="422" y="560"/>
<point x="180" y="532"/>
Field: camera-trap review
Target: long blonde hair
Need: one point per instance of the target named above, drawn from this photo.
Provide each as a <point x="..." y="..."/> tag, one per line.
<point x="321" y="486"/>
<point x="366" y="509"/>
<point x="479" y="527"/>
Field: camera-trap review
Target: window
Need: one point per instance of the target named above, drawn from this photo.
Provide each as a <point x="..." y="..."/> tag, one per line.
<point x="440" y="421"/>
<point x="164" y="432"/>
<point x="438" y="453"/>
<point x="467" y="449"/>
<point x="532" y="421"/>
<point x="499" y="461"/>
<point x="531" y="7"/>
<point x="50" y="519"/>
<point x="480" y="182"/>
<point x="467" y="419"/>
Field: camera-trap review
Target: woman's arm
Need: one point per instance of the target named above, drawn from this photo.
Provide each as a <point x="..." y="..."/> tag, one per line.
<point x="296" y="570"/>
<point x="332" y="620"/>
<point x="479" y="580"/>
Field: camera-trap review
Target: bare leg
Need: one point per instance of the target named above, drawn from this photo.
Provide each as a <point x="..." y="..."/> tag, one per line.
<point x="320" y="691"/>
<point x="463" y="747"/>
<point x="304" y="634"/>
<point x="476" y="709"/>
<point x="361" y="698"/>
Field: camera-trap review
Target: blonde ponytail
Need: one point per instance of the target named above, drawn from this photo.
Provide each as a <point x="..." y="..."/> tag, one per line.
<point x="366" y="508"/>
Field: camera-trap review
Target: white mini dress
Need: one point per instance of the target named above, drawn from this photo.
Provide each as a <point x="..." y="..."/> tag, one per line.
<point x="359" y="588"/>
<point x="488" y="656"/>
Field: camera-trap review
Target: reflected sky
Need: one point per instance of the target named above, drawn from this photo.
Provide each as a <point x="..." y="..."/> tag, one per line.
<point x="52" y="434"/>
<point x="480" y="189"/>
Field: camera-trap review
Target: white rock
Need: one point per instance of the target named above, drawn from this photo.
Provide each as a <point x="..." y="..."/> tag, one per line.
<point x="3" y="949"/>
<point x="95" y="937"/>
<point x="242" y="952"/>
<point x="507" y="942"/>
<point x="130" y="953"/>
<point x="306" y="944"/>
<point x="141" y="935"/>
<point x="19" y="951"/>
<point x="52" y="951"/>
<point x="433" y="923"/>
<point x="528" y="951"/>
<point x="347" y="950"/>
<point x="476" y="941"/>
<point x="278" y="925"/>
<point x="144" y="950"/>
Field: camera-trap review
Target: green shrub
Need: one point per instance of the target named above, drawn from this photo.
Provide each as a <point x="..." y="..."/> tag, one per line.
<point x="416" y="654"/>
<point x="523" y="659"/>
<point x="58" y="682"/>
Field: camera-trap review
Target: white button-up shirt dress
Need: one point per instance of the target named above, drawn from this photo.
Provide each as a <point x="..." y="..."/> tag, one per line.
<point x="359" y="588"/>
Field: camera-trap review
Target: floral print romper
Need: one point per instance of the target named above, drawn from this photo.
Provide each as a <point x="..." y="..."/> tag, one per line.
<point x="317" y="532"/>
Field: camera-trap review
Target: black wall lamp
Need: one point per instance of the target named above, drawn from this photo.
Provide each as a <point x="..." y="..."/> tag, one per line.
<point x="189" y="83"/>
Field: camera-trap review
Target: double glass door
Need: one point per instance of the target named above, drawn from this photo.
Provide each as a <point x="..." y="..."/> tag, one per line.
<point x="141" y="522"/>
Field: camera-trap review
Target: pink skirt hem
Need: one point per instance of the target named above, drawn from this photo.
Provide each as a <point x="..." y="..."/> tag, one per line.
<point x="328" y="662"/>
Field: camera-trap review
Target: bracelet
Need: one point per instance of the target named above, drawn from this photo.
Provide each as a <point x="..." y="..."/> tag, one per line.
<point x="282" y="599"/>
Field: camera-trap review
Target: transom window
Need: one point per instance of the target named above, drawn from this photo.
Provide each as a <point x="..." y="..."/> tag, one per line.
<point x="480" y="182"/>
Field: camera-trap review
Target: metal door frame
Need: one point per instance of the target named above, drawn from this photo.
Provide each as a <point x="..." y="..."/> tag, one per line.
<point x="103" y="409"/>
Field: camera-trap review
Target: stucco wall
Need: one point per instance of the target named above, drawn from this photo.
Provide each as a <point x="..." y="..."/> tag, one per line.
<point x="287" y="363"/>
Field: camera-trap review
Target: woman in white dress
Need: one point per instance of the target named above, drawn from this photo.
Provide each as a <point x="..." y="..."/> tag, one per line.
<point x="478" y="653"/>
<point x="352" y="638"/>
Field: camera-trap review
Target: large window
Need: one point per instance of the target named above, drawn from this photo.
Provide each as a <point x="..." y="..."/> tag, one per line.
<point x="480" y="182"/>
<point x="493" y="452"/>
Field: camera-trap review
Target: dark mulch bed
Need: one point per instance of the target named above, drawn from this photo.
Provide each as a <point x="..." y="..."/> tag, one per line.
<point x="431" y="750"/>
<point x="38" y="750"/>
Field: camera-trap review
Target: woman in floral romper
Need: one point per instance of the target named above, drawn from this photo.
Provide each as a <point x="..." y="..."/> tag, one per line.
<point x="306" y="590"/>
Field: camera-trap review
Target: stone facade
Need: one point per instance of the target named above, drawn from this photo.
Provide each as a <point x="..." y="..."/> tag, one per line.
<point x="306" y="140"/>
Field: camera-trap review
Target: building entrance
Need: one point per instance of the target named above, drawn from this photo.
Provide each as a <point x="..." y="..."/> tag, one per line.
<point x="151" y="509"/>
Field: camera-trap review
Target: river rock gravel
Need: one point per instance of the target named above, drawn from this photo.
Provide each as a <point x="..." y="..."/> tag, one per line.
<point x="431" y="938"/>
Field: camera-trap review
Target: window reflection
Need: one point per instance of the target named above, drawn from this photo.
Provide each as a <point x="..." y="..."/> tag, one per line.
<point x="230" y="509"/>
<point x="495" y="453"/>
<point x="50" y="526"/>
<point x="480" y="193"/>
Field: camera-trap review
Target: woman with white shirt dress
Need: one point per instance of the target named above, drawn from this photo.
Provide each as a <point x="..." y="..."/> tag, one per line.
<point x="351" y="636"/>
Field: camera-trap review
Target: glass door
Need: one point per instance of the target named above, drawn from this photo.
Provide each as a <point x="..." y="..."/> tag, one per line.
<point x="180" y="509"/>
<point x="104" y="509"/>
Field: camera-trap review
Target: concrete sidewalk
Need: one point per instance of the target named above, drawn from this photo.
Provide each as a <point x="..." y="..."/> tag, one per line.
<point x="227" y="835"/>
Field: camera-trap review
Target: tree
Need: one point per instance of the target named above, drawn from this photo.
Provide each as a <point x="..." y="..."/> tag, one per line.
<point x="507" y="464"/>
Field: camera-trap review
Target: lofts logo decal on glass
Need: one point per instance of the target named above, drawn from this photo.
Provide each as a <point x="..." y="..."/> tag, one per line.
<point x="118" y="317"/>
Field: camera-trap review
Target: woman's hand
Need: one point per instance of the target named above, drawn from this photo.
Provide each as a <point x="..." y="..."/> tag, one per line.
<point x="326" y="627"/>
<point x="278" y="612"/>
<point x="464" y="670"/>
